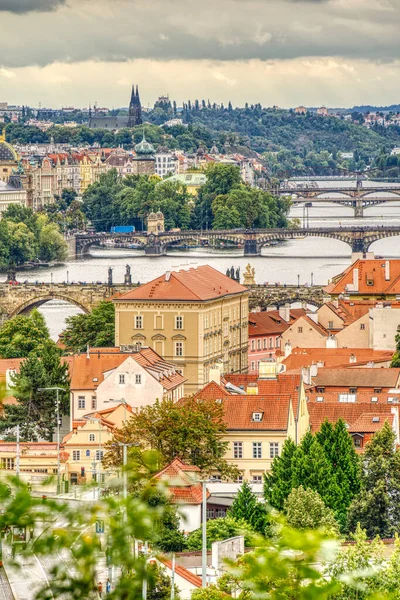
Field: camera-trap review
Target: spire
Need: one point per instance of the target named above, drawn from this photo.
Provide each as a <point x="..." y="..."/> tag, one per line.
<point x="132" y="96"/>
<point x="137" y="91"/>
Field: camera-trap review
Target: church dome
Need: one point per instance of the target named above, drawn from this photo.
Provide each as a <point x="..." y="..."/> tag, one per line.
<point x="200" y="151"/>
<point x="144" y="147"/>
<point x="159" y="215"/>
<point x="152" y="215"/>
<point x="7" y="152"/>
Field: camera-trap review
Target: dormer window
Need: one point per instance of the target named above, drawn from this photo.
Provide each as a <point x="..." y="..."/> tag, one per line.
<point x="377" y="390"/>
<point x="320" y="390"/>
<point x="257" y="417"/>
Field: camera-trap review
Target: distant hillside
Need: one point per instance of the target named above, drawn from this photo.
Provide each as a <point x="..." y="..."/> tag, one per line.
<point x="369" y="108"/>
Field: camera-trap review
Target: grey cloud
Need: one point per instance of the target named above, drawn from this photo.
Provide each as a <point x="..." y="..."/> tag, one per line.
<point x="123" y="30"/>
<point x="26" y="6"/>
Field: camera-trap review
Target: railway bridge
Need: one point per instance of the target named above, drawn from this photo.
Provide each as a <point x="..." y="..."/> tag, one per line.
<point x="251" y="240"/>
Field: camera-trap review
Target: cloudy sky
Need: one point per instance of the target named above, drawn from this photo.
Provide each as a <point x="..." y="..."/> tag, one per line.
<point x="285" y="52"/>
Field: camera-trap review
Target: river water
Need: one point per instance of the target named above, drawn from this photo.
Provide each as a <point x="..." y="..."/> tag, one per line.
<point x="313" y="259"/>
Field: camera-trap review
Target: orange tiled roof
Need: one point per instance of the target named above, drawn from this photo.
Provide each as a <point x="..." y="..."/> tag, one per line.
<point x="182" y="572"/>
<point x="88" y="373"/>
<point x="335" y="357"/>
<point x="352" y="414"/>
<point x="371" y="270"/>
<point x="374" y="378"/>
<point x="285" y="383"/>
<point x="271" y="323"/>
<point x="203" y="283"/>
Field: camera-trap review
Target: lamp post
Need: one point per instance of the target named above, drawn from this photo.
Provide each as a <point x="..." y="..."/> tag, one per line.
<point x="57" y="389"/>
<point x="89" y="418"/>
<point x="124" y="447"/>
<point x="312" y="279"/>
<point x="204" y="535"/>
<point x="298" y="281"/>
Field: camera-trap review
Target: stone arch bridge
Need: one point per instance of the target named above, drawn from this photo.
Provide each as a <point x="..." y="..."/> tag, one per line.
<point x="20" y="298"/>
<point x="251" y="240"/>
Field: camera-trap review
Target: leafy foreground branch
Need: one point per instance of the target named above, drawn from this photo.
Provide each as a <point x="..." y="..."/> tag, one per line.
<point x="287" y="566"/>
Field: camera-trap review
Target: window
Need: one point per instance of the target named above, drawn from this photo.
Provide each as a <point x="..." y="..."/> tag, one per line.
<point x="277" y="342"/>
<point x="237" y="449"/>
<point x="257" y="417"/>
<point x="138" y="322"/>
<point x="362" y="326"/>
<point x="271" y="343"/>
<point x="99" y="454"/>
<point x="273" y="449"/>
<point x="265" y="343"/>
<point x="7" y="463"/>
<point x="87" y="452"/>
<point x="253" y="345"/>
<point x="377" y="390"/>
<point x="178" y="322"/>
<point x="258" y="344"/>
<point x="374" y="399"/>
<point x="253" y="365"/>
<point x="138" y="379"/>
<point x="347" y="397"/>
<point x="257" y="479"/>
<point x="330" y="324"/>
<point x="357" y="442"/>
<point x="178" y="348"/>
<point x="76" y="455"/>
<point x="94" y="403"/>
<point x="299" y="330"/>
<point x="320" y="390"/>
<point x="81" y="402"/>
<point x="257" y="449"/>
<point x="239" y="479"/>
<point x="122" y="379"/>
<point x="210" y="513"/>
<point x="92" y="437"/>
<point x="320" y="398"/>
<point x="352" y="390"/>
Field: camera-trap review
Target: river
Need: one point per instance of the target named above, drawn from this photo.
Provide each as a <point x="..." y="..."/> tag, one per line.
<point x="316" y="259"/>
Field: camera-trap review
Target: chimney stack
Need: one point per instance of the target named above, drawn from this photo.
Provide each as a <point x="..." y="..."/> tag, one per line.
<point x="284" y="312"/>
<point x="387" y="270"/>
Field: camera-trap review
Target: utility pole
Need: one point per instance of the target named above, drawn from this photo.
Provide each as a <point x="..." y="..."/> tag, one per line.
<point x="204" y="537"/>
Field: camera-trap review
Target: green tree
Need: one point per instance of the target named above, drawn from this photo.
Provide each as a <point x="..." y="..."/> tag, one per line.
<point x="168" y="536"/>
<point x="191" y="430"/>
<point x="99" y="201"/>
<point x="305" y="509"/>
<point x="278" y="483"/>
<point x="159" y="587"/>
<point x="377" y="507"/>
<point x="95" y="329"/>
<point x="221" y="179"/>
<point x="19" y="243"/>
<point x="52" y="245"/>
<point x="22" y="335"/>
<point x="218" y="529"/>
<point x="35" y="409"/>
<point x="246" y="507"/>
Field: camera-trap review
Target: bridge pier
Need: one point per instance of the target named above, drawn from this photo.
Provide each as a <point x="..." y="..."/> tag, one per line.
<point x="359" y="209"/>
<point x="251" y="248"/>
<point x="359" y="246"/>
<point x="155" y="250"/>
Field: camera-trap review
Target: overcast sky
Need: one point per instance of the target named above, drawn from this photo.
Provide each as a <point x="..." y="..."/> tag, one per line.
<point x="285" y="52"/>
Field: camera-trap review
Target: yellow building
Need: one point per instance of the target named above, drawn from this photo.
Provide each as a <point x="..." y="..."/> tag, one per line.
<point x="260" y="415"/>
<point x="193" y="181"/>
<point x="197" y="319"/>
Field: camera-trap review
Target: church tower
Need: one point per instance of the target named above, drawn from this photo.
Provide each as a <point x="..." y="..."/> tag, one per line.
<point x="135" y="108"/>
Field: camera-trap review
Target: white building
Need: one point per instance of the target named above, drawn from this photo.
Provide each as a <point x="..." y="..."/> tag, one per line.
<point x="11" y="193"/>
<point x="166" y="162"/>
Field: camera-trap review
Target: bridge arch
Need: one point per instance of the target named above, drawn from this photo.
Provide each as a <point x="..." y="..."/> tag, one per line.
<point x="82" y="246"/>
<point x="292" y="235"/>
<point x="37" y="301"/>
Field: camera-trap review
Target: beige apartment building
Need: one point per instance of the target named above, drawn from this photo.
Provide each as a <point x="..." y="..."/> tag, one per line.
<point x="197" y="319"/>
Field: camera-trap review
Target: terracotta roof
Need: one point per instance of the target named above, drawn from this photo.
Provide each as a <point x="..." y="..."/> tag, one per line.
<point x="284" y="383"/>
<point x="368" y="270"/>
<point x="270" y="322"/>
<point x="212" y="391"/>
<point x="183" y="488"/>
<point x="175" y="468"/>
<point x="363" y="395"/>
<point x="88" y="373"/>
<point x="370" y="423"/>
<point x="192" y="494"/>
<point x="335" y="357"/>
<point x="190" y="577"/>
<point x="203" y="283"/>
<point x="350" y="311"/>
<point x="375" y="378"/>
<point x="351" y="413"/>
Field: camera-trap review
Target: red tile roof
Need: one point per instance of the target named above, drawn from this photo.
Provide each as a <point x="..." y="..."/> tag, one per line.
<point x="371" y="270"/>
<point x="362" y="377"/>
<point x="85" y="370"/>
<point x="182" y="572"/>
<point x="335" y="357"/>
<point x="284" y="383"/>
<point x="183" y="482"/>
<point x="357" y="416"/>
<point x="203" y="283"/>
<point x="271" y="323"/>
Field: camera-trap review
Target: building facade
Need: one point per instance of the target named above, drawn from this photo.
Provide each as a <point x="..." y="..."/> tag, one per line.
<point x="197" y="319"/>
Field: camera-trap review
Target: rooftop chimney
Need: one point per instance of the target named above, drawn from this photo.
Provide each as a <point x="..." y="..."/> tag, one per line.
<point x="167" y="275"/>
<point x="387" y="270"/>
<point x="87" y="351"/>
<point x="284" y="312"/>
<point x="288" y="349"/>
<point x="355" y="279"/>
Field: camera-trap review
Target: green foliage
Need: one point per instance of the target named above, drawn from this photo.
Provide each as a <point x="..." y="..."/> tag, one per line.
<point x="35" y="411"/>
<point x="191" y="430"/>
<point x="377" y="507"/>
<point x="305" y="509"/>
<point x="396" y="356"/>
<point x="248" y="208"/>
<point x="95" y="329"/>
<point x="22" y="335"/>
<point x="217" y="530"/>
<point x="221" y="180"/>
<point x="25" y="235"/>
<point x="246" y="507"/>
<point x="167" y="535"/>
<point x="326" y="463"/>
<point x="210" y="593"/>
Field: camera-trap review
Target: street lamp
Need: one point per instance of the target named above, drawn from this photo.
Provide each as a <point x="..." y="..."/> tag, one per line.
<point x="124" y="447"/>
<point x="57" y="389"/>
<point x="298" y="281"/>
<point x="312" y="279"/>
<point x="89" y="418"/>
